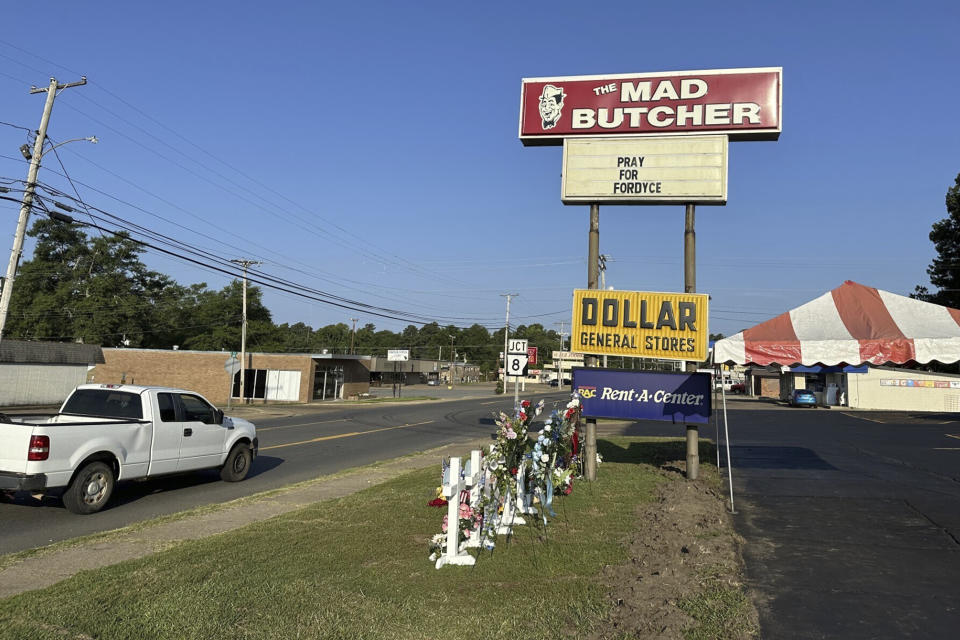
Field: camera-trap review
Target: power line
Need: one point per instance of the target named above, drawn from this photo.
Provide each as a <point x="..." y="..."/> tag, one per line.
<point x="266" y="281"/>
<point x="330" y="279"/>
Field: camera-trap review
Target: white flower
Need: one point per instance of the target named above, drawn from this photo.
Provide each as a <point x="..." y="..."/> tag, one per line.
<point x="544" y="458"/>
<point x="546" y="428"/>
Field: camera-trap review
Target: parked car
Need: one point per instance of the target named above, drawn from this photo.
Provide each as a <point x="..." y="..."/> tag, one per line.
<point x="433" y="383"/>
<point x="803" y="398"/>
<point x="554" y="383"/>
<point x="109" y="432"/>
<point x="738" y="387"/>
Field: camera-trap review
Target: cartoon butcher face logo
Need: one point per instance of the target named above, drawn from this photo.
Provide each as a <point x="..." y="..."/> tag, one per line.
<point x="551" y="103"/>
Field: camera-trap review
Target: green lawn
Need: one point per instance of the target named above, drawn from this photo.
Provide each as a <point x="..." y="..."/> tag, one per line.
<point x="357" y="568"/>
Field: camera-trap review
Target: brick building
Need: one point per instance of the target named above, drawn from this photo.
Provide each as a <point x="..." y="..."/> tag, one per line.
<point x="269" y="377"/>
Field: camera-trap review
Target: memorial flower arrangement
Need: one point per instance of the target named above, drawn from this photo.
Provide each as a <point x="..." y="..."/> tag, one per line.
<point x="468" y="519"/>
<point x="563" y="481"/>
<point x="512" y="442"/>
<point x="554" y="457"/>
<point x="518" y="468"/>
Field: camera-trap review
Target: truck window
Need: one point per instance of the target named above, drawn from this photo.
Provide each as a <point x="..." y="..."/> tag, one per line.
<point x="167" y="411"/>
<point x="196" y="410"/>
<point x="104" y="403"/>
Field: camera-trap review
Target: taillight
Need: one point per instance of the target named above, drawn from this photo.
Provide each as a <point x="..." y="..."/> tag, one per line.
<point x="39" y="448"/>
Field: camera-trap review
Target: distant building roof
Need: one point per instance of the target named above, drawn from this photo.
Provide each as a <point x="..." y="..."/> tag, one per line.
<point x="27" y="352"/>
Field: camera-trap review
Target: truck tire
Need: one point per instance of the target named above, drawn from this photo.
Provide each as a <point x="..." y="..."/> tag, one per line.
<point x="237" y="464"/>
<point x="90" y="489"/>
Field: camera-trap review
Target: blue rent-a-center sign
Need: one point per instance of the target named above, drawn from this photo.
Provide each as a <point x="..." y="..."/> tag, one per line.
<point x="637" y="395"/>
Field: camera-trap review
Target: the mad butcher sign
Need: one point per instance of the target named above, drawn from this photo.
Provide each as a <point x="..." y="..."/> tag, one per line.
<point x="744" y="104"/>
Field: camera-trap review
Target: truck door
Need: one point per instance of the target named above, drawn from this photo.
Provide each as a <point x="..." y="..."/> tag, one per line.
<point x="203" y="439"/>
<point x="167" y="434"/>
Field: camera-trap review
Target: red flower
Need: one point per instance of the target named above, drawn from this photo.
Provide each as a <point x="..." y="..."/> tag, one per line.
<point x="568" y="490"/>
<point x="569" y="413"/>
<point x="437" y="502"/>
<point x="513" y="471"/>
<point x="525" y="404"/>
<point x="523" y="416"/>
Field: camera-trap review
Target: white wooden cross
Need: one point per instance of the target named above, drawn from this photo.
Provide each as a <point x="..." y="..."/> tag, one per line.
<point x="453" y="484"/>
<point x="472" y="476"/>
<point x="524" y="495"/>
<point x="510" y="517"/>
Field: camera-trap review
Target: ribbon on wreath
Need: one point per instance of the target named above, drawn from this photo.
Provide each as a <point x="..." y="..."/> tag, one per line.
<point x="547" y="504"/>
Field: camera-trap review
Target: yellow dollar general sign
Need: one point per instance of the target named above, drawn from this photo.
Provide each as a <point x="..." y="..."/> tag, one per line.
<point x="640" y="324"/>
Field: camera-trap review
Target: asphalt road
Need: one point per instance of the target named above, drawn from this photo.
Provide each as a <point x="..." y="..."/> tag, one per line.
<point x="319" y="440"/>
<point x="851" y="521"/>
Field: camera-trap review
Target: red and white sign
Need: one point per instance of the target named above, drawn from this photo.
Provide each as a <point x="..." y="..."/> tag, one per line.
<point x="742" y="103"/>
<point x="531" y="355"/>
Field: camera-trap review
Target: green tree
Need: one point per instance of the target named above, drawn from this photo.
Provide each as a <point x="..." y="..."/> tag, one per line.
<point x="296" y="338"/>
<point x="334" y="337"/>
<point x="90" y="290"/>
<point x="217" y="318"/>
<point x="944" y="271"/>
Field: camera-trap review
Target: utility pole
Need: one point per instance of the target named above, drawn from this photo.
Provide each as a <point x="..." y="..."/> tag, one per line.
<point x="453" y="359"/>
<point x="27" y="202"/>
<point x="243" y="331"/>
<point x="506" y="335"/>
<point x="353" y="335"/>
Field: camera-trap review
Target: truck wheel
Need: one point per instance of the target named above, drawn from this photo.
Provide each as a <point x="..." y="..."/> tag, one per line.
<point x="91" y="488"/>
<point x="237" y="465"/>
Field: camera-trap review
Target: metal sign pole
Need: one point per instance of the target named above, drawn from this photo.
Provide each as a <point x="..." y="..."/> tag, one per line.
<point x="593" y="267"/>
<point x="690" y="286"/>
<point x="726" y="437"/>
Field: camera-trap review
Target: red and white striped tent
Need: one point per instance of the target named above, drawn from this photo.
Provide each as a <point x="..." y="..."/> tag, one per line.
<point x="853" y="324"/>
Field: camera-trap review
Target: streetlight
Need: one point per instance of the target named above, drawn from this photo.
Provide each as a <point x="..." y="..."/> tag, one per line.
<point x="27" y="203"/>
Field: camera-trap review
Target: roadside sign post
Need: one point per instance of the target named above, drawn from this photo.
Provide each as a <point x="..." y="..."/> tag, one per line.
<point x="649" y="139"/>
<point x="395" y="356"/>
<point x="516" y="360"/>
<point x="231" y="366"/>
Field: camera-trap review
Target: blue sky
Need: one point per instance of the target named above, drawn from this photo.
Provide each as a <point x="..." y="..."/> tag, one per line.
<point x="370" y="149"/>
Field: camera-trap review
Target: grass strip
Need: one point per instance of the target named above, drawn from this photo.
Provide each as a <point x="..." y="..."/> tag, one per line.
<point x="122" y="532"/>
<point x="357" y="568"/>
<point x="720" y="609"/>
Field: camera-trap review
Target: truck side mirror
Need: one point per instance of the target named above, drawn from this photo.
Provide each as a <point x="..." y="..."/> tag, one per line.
<point x="219" y="416"/>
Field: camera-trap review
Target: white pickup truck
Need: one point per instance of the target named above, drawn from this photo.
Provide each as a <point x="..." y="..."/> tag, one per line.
<point x="109" y="432"/>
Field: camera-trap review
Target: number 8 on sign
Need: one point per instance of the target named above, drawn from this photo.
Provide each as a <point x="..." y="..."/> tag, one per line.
<point x="515" y="364"/>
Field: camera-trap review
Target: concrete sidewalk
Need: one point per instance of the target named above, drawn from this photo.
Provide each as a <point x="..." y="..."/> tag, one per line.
<point x="46" y="567"/>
